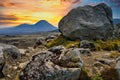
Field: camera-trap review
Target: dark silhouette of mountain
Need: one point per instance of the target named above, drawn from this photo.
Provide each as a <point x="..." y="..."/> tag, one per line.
<point x="41" y="26"/>
<point x="116" y="21"/>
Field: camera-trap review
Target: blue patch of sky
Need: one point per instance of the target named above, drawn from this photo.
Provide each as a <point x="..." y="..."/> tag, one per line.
<point x="116" y="9"/>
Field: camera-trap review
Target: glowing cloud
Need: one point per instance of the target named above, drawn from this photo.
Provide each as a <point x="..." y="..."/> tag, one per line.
<point x="31" y="11"/>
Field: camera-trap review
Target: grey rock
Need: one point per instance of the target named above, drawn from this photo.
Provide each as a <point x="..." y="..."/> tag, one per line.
<point x="43" y="67"/>
<point x="88" y="23"/>
<point x="105" y="61"/>
<point x="69" y="58"/>
<point x="39" y="41"/>
<point x="9" y="54"/>
<point x="7" y="69"/>
<point x="9" y="50"/>
<point x="22" y="65"/>
<point x="118" y="65"/>
<point x="57" y="49"/>
<point x="51" y="37"/>
<point x="85" y="51"/>
<point x="87" y="44"/>
<point x="22" y="51"/>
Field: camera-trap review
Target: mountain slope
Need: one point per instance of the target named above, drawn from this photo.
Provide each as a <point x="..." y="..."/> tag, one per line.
<point x="41" y="26"/>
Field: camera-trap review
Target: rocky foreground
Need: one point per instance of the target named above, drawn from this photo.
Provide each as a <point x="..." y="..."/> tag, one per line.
<point x="58" y="63"/>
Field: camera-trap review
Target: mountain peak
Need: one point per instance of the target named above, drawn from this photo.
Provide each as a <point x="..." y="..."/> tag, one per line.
<point x="41" y="22"/>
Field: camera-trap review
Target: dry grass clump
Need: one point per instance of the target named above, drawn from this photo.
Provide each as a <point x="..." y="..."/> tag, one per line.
<point x="99" y="44"/>
<point x="61" y="40"/>
<point x="107" y="45"/>
<point x="114" y="54"/>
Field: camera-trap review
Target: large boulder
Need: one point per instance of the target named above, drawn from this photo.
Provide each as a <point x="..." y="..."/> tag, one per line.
<point x="45" y="66"/>
<point x="88" y="23"/>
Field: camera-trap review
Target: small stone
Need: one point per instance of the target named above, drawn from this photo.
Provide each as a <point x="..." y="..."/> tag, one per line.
<point x="22" y="51"/>
<point x="8" y="76"/>
<point x="85" y="51"/>
<point x="15" y="67"/>
<point x="105" y="61"/>
<point x="27" y="54"/>
<point x="22" y="65"/>
<point x="87" y="44"/>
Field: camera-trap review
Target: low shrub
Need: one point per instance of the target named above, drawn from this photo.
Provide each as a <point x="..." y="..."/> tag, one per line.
<point x="110" y="74"/>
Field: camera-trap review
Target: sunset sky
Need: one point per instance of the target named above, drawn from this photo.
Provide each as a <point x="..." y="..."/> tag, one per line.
<point x="15" y="12"/>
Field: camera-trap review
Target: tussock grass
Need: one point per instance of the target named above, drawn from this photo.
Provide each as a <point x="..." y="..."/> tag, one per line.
<point x="61" y="40"/>
<point x="99" y="44"/>
<point x="107" y="45"/>
<point x="114" y="54"/>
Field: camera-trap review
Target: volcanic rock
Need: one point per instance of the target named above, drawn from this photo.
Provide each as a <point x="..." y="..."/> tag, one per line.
<point x="88" y="23"/>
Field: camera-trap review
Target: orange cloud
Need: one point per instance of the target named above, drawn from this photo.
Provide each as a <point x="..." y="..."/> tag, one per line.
<point x="31" y="11"/>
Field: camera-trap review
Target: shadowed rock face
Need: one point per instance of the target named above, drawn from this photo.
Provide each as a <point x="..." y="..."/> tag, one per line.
<point x="88" y="22"/>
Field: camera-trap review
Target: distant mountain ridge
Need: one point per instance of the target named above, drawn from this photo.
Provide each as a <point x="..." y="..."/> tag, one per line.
<point x="41" y="26"/>
<point x="116" y="21"/>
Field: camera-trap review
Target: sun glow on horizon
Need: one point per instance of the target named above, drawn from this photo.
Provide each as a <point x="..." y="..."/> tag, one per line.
<point x="19" y="11"/>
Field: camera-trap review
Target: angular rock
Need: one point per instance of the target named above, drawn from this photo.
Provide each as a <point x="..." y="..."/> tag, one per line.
<point x="22" y="51"/>
<point x="105" y="61"/>
<point x="39" y="42"/>
<point x="57" y="49"/>
<point x="87" y="44"/>
<point x="22" y="65"/>
<point x="118" y="65"/>
<point x="50" y="37"/>
<point x="9" y="54"/>
<point x="7" y="69"/>
<point x="43" y="67"/>
<point x="85" y="51"/>
<point x="69" y="58"/>
<point x="88" y="23"/>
